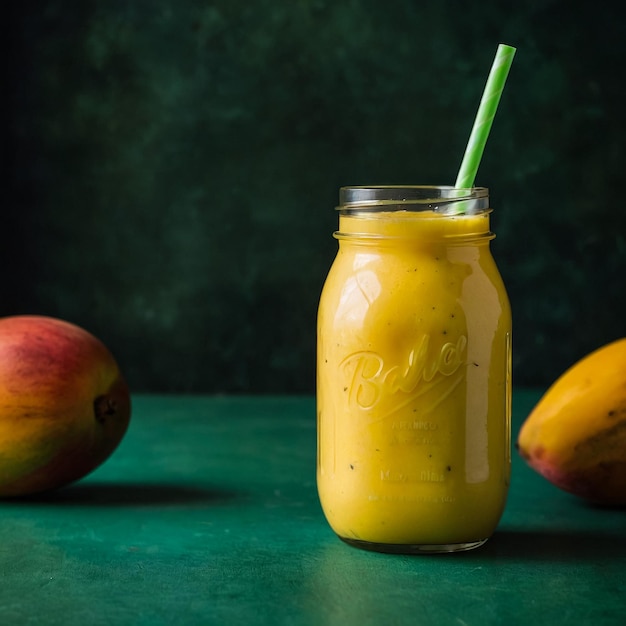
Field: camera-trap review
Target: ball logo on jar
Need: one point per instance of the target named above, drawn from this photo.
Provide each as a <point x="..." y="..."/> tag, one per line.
<point x="381" y="389"/>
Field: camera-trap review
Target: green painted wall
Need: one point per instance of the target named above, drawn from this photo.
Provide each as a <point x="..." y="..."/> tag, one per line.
<point x="173" y="168"/>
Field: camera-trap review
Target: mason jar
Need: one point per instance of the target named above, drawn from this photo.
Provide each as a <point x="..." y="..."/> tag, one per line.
<point x="414" y="372"/>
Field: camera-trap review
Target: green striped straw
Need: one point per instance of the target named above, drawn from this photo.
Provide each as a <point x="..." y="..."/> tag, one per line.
<point x="484" y="117"/>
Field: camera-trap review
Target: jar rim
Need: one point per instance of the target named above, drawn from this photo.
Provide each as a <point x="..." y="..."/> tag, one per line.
<point x="445" y="199"/>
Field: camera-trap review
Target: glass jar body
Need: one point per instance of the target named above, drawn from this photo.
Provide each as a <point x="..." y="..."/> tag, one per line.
<point x="413" y="381"/>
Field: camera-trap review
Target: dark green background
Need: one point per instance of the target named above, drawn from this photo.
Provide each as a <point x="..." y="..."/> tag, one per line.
<point x="173" y="166"/>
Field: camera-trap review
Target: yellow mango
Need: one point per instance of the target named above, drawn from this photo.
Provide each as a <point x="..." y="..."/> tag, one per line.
<point x="576" y="435"/>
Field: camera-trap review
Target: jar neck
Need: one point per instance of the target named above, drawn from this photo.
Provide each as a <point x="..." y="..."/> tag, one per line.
<point x="416" y="226"/>
<point x="414" y="213"/>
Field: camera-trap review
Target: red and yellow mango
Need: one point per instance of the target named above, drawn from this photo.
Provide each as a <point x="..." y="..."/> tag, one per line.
<point x="64" y="405"/>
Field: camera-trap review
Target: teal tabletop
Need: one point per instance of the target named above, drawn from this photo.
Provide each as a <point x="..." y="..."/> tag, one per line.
<point x="208" y="514"/>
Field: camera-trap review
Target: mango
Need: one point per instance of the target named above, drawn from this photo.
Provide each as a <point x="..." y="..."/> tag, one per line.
<point x="576" y="434"/>
<point x="64" y="404"/>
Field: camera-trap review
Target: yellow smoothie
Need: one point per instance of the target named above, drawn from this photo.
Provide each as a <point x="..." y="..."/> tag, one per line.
<point x="413" y="381"/>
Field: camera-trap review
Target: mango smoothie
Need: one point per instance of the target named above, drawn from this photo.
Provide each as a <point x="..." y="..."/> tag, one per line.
<point x="413" y="387"/>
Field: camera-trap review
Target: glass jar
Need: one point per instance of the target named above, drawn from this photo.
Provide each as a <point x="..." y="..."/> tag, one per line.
<point x="414" y="372"/>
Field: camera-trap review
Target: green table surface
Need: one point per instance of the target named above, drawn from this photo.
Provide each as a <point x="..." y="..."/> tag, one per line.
<point x="208" y="514"/>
